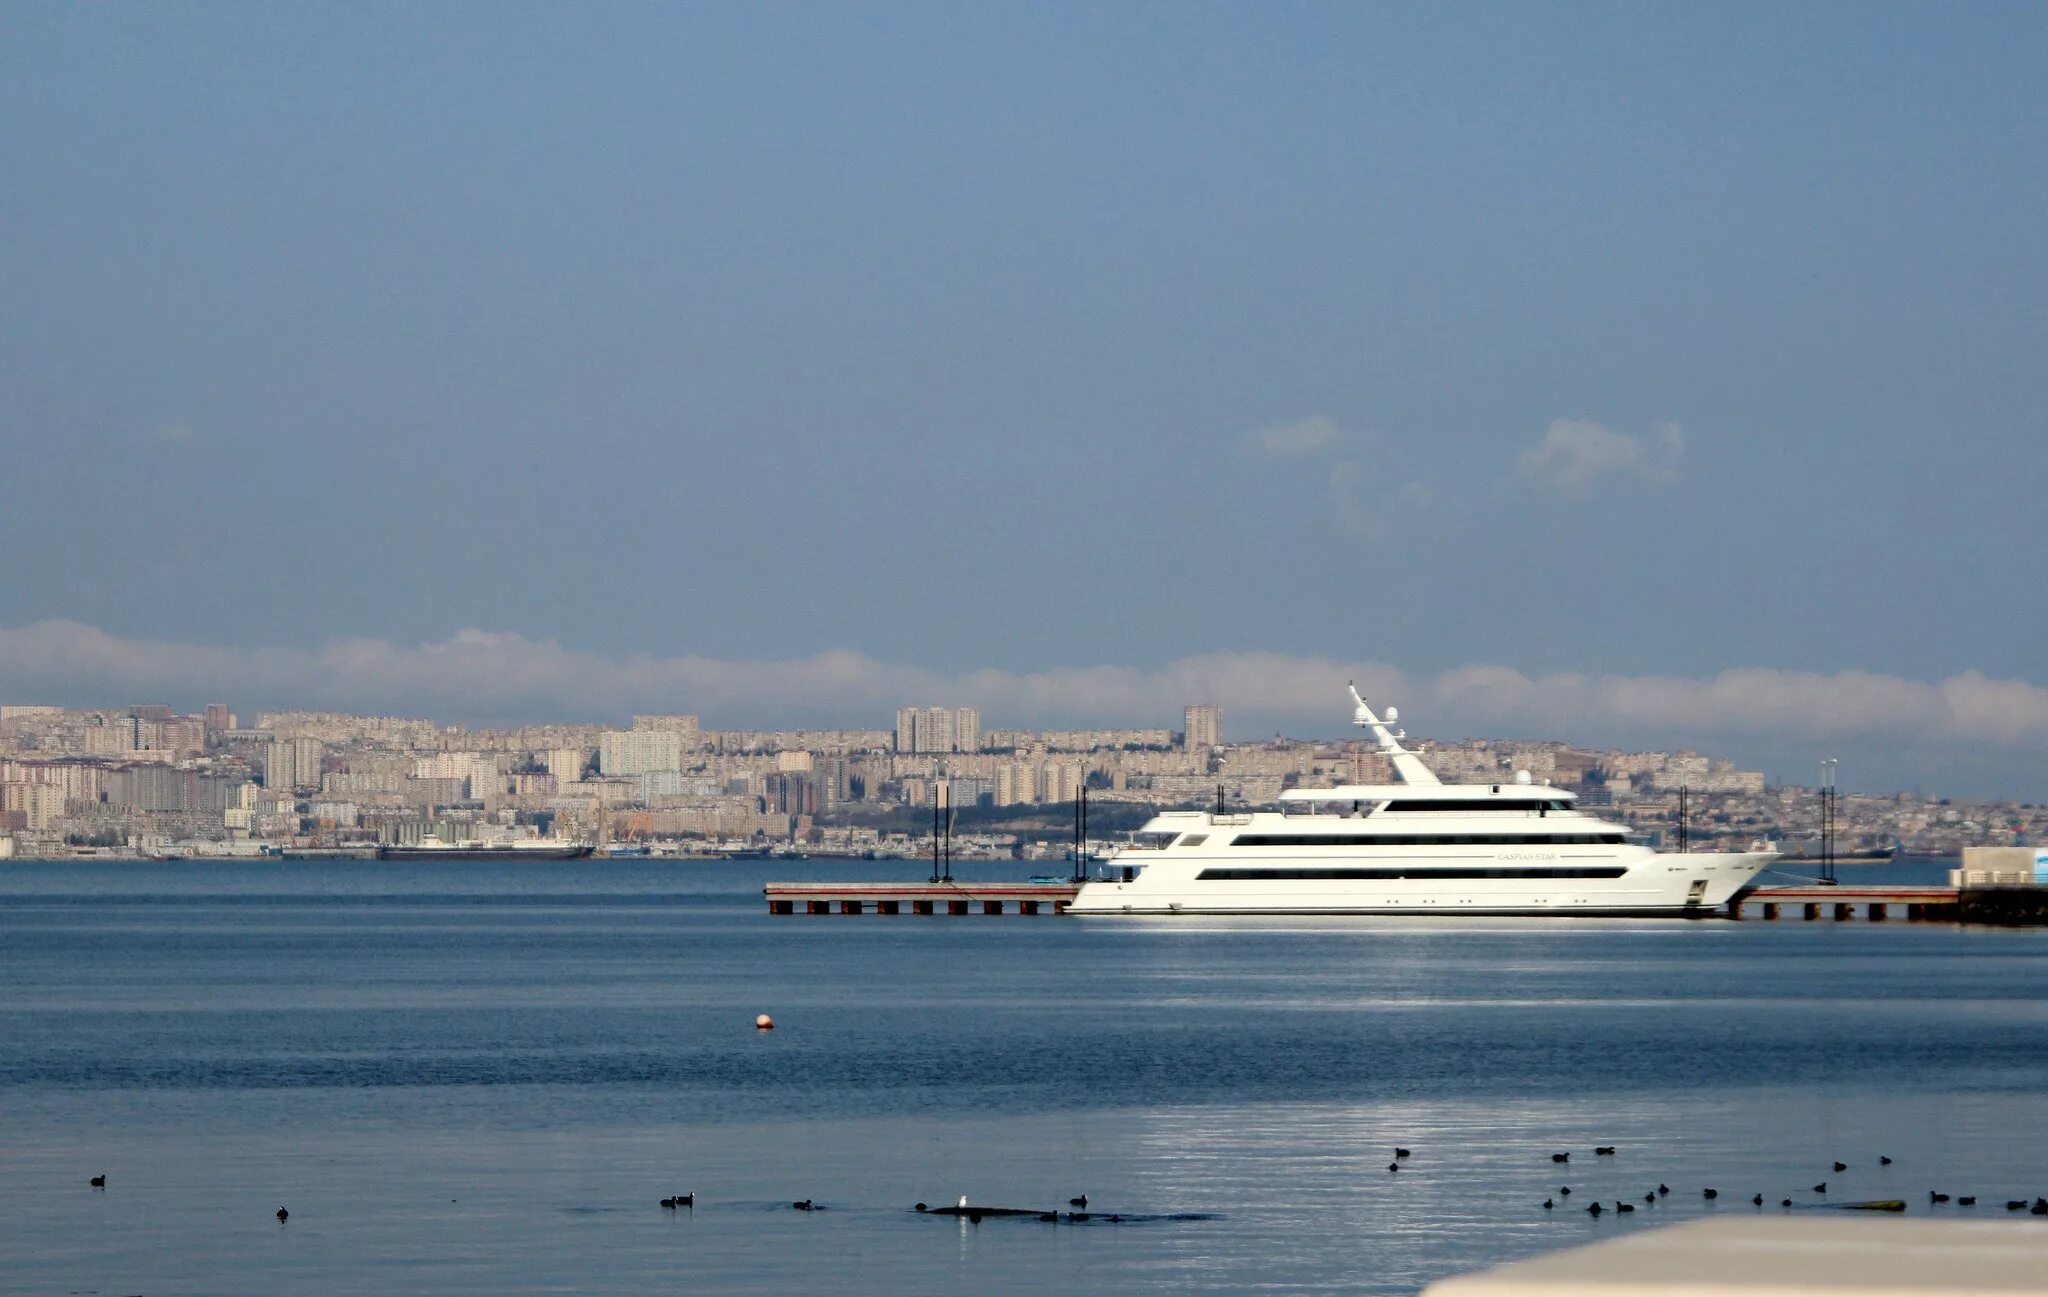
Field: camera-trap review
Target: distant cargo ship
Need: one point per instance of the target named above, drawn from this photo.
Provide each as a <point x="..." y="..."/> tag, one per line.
<point x="519" y="849"/>
<point x="1884" y="857"/>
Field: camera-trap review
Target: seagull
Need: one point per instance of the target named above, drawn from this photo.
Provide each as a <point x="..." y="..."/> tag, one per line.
<point x="962" y="1204"/>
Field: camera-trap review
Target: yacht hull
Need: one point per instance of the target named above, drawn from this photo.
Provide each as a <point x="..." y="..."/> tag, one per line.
<point x="1662" y="885"/>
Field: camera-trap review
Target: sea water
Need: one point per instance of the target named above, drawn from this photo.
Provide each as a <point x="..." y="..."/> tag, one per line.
<point x="482" y="1078"/>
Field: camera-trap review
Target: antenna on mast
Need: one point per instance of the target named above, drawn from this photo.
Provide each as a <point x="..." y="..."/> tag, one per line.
<point x="1408" y="767"/>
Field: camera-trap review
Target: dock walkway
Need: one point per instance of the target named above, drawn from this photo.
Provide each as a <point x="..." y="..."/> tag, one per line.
<point x="919" y="898"/>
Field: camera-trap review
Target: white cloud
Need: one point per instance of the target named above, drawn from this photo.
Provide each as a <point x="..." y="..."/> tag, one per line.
<point x="1310" y="436"/>
<point x="1574" y="456"/>
<point x="493" y="675"/>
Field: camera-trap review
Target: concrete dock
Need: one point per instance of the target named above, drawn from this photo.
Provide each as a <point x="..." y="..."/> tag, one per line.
<point x="1809" y="1254"/>
<point x="919" y="898"/>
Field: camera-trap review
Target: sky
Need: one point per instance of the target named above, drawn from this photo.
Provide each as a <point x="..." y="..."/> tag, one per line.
<point x="1650" y="375"/>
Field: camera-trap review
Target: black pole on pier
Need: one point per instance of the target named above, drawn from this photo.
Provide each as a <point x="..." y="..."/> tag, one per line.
<point x="935" y="834"/>
<point x="1080" y="830"/>
<point x="949" y="843"/>
<point x="1827" y="821"/>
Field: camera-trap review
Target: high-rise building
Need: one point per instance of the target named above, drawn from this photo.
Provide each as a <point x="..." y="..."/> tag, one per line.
<point x="219" y="717"/>
<point x="1016" y="784"/>
<point x="292" y="763"/>
<point x="938" y="729"/>
<point x="1202" y="728"/>
<point x="566" y="764"/>
<point x="635" y="752"/>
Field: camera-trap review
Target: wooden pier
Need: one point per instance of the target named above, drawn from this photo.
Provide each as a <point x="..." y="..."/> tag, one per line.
<point x="919" y="898"/>
<point x="1840" y="904"/>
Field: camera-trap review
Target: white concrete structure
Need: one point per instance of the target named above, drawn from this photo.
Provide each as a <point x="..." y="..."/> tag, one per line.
<point x="1842" y="1256"/>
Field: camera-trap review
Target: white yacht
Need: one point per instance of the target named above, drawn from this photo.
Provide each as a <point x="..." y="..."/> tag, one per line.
<point x="1418" y="846"/>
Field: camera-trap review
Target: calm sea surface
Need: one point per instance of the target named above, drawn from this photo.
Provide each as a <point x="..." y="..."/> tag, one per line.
<point x="481" y="1079"/>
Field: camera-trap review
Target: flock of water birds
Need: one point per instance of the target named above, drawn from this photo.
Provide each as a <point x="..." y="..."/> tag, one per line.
<point x="1935" y="1197"/>
<point x="976" y="1212"/>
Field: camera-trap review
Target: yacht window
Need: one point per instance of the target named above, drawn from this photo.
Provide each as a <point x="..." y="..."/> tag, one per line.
<point x="1425" y="839"/>
<point x="1194" y="839"/>
<point x="1479" y="804"/>
<point x="1152" y="841"/>
<point x="1413" y="871"/>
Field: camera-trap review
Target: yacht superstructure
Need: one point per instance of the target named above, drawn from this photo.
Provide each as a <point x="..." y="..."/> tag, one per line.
<point x="1418" y="846"/>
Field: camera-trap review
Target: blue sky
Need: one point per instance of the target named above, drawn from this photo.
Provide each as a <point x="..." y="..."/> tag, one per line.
<point x="1618" y="341"/>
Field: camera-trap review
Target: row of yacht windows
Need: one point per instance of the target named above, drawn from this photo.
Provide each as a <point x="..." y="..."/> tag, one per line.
<point x="1409" y="871"/>
<point x="1425" y="839"/>
<point x="1539" y="806"/>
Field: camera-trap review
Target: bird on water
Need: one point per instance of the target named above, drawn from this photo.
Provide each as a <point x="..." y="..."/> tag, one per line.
<point x="1757" y="1201"/>
<point x="1400" y="1152"/>
<point x="1393" y="1166"/>
<point x="283" y="1215"/>
<point x="99" y="1182"/>
<point x="1549" y="1204"/>
<point x="1821" y="1188"/>
<point x="1081" y="1201"/>
<point x="1560" y="1157"/>
<point x="1841" y="1166"/>
<point x="1710" y="1193"/>
<point x="1884" y="1161"/>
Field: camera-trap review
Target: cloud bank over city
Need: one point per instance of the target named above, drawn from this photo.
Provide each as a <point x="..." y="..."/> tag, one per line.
<point x="502" y="677"/>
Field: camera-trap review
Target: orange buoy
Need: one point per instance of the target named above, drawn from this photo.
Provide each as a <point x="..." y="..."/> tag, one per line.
<point x="762" y="1022"/>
